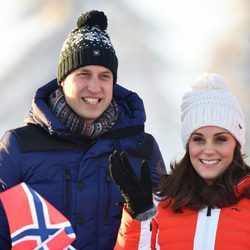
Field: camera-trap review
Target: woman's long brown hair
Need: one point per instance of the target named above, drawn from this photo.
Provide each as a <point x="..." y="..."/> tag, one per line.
<point x="185" y="188"/>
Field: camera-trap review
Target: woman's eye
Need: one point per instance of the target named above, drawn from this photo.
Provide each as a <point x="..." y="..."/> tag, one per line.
<point x="197" y="139"/>
<point x="221" y="139"/>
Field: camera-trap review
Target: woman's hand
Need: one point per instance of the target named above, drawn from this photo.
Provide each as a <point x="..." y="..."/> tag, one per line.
<point x="136" y="191"/>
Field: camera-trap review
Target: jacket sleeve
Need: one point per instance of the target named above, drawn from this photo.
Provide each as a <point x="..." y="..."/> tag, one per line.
<point x="133" y="234"/>
<point x="10" y="175"/>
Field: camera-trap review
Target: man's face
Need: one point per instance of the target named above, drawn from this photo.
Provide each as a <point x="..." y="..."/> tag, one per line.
<point x="88" y="91"/>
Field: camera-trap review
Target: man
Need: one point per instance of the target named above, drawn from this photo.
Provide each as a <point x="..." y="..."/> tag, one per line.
<point x="75" y="122"/>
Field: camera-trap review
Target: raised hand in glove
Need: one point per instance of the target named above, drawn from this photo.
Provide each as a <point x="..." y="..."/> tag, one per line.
<point x="136" y="191"/>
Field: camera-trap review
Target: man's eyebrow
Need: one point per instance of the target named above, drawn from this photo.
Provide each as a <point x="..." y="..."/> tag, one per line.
<point x="83" y="70"/>
<point x="106" y="71"/>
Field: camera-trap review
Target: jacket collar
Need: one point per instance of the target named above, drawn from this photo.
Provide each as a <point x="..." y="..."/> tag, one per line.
<point x="243" y="185"/>
<point x="130" y="108"/>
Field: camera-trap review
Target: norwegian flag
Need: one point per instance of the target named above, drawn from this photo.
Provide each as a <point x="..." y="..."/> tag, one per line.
<point x="34" y="223"/>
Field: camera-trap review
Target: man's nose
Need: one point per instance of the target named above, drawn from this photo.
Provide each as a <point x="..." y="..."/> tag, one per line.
<point x="94" y="85"/>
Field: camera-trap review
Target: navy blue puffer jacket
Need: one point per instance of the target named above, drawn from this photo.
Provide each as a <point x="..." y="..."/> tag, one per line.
<point x="72" y="173"/>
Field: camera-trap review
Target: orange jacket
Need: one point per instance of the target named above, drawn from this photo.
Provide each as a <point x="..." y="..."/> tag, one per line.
<point x="225" y="229"/>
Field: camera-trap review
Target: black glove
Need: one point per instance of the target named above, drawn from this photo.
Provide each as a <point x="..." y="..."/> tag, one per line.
<point x="137" y="192"/>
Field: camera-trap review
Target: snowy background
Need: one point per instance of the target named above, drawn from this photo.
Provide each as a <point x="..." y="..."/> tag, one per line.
<point x="161" y="45"/>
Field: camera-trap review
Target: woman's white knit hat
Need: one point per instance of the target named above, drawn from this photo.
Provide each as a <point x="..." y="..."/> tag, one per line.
<point x="210" y="103"/>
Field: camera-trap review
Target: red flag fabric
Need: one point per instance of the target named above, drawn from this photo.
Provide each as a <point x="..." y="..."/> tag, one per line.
<point x="34" y="223"/>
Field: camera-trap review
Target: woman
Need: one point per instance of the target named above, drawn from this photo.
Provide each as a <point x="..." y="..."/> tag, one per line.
<point x="204" y="203"/>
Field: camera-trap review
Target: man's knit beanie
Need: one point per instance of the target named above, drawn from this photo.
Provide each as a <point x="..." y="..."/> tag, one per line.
<point x="88" y="44"/>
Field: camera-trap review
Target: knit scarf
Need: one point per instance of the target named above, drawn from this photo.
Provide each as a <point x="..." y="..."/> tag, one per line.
<point x="74" y="123"/>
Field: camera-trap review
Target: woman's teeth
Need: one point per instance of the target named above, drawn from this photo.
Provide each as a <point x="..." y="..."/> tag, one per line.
<point x="210" y="162"/>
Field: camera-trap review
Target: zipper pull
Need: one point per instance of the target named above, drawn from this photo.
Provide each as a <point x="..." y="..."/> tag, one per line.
<point x="209" y="211"/>
<point x="2" y="185"/>
<point x="108" y="178"/>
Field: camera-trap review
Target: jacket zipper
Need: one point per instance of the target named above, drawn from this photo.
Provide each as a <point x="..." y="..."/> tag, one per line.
<point x="107" y="198"/>
<point x="67" y="191"/>
<point x="206" y="227"/>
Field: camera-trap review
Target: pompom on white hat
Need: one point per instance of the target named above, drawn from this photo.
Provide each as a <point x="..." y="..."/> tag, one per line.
<point x="210" y="103"/>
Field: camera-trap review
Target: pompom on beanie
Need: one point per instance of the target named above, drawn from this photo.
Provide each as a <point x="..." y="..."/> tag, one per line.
<point x="210" y="103"/>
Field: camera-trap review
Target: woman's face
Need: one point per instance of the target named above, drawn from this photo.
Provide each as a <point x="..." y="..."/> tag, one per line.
<point x="211" y="151"/>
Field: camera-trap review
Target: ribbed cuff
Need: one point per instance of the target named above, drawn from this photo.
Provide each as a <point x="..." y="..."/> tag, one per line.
<point x="148" y="214"/>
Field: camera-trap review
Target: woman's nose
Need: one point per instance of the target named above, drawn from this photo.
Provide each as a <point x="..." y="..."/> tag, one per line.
<point x="209" y="148"/>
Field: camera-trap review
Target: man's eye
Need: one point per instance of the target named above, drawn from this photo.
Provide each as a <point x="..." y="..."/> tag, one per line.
<point x="105" y="76"/>
<point x="84" y="74"/>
